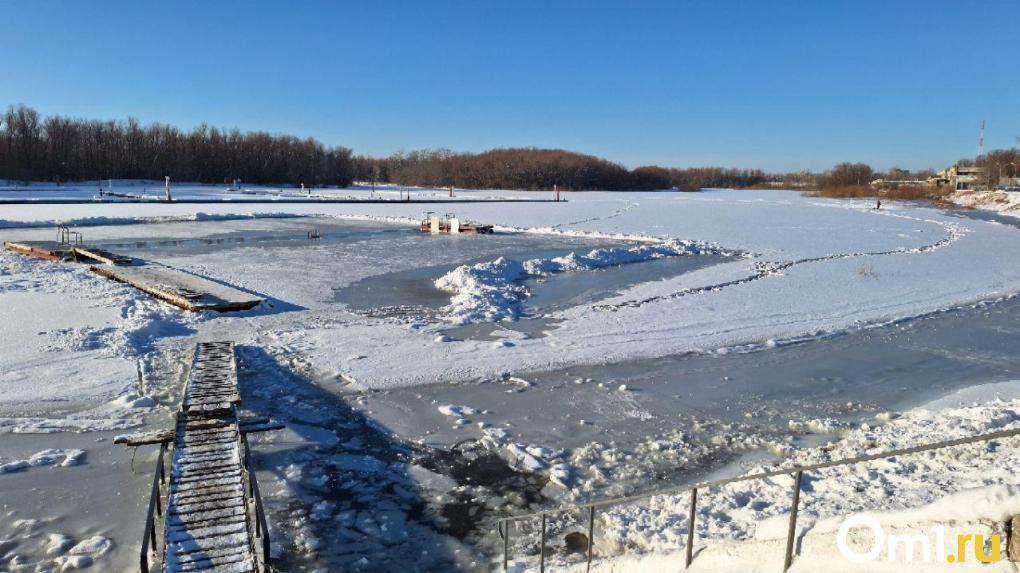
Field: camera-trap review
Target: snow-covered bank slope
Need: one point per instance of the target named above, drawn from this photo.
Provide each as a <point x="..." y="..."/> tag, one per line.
<point x="742" y="526"/>
<point x="1005" y="202"/>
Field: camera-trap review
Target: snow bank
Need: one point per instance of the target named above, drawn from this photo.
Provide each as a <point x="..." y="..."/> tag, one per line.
<point x="99" y="220"/>
<point x="489" y="291"/>
<point x="963" y="484"/>
<point x="1005" y="202"/>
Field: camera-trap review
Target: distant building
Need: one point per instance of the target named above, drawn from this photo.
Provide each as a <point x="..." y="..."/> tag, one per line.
<point x="897" y="183"/>
<point x="961" y="178"/>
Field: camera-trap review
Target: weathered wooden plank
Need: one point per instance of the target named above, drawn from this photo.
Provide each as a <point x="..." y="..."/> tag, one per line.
<point x="207" y="520"/>
<point x="200" y="516"/>
<point x="46" y="250"/>
<point x="100" y="255"/>
<point x="187" y="291"/>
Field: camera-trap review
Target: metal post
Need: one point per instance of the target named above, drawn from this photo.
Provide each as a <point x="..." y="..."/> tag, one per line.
<point x="162" y="464"/>
<point x="506" y="543"/>
<point x="591" y="535"/>
<point x="541" y="549"/>
<point x="792" y="533"/>
<point x="258" y="522"/>
<point x="690" y="527"/>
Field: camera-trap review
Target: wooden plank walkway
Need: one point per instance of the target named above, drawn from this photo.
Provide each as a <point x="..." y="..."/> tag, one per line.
<point x="46" y="250"/>
<point x="208" y="524"/>
<point x="101" y="256"/>
<point x="187" y="291"/>
<point x="57" y="251"/>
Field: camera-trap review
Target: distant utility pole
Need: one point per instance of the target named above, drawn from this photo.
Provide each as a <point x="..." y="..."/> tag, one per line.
<point x="168" y="197"/>
<point x="981" y="140"/>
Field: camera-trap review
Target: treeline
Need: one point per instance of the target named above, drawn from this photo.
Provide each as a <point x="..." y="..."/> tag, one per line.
<point x="998" y="163"/>
<point x="57" y="148"/>
<point x="541" y="169"/>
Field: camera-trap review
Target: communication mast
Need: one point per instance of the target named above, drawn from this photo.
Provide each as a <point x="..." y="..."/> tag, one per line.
<point x="981" y="140"/>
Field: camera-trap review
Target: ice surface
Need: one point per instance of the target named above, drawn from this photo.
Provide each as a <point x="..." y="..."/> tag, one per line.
<point x="816" y="268"/>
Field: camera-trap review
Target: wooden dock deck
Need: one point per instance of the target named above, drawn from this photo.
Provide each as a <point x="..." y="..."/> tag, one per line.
<point x="190" y="292"/>
<point x="101" y="256"/>
<point x="213" y="521"/>
<point x="208" y="526"/>
<point x="45" y="250"/>
<point x="185" y="290"/>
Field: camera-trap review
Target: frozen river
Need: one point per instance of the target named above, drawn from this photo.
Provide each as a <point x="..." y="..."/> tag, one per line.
<point x="408" y="410"/>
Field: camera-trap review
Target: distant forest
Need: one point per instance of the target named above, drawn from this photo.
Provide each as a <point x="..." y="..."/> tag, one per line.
<point x="57" y="148"/>
<point x="537" y="169"/>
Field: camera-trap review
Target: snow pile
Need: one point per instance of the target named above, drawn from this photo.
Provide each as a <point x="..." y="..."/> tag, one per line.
<point x="25" y="545"/>
<point x="53" y="456"/>
<point x="457" y="411"/>
<point x="485" y="291"/>
<point x="489" y="291"/>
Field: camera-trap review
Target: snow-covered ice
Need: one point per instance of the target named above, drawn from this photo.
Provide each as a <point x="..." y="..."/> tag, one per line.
<point x="79" y="353"/>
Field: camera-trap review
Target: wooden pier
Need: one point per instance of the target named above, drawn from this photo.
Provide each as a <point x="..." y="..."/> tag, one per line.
<point x="190" y="292"/>
<point x="45" y="250"/>
<point x="101" y="256"/>
<point x="185" y="290"/>
<point x="213" y="521"/>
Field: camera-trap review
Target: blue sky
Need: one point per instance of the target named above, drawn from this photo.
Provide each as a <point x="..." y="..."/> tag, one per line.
<point x="771" y="84"/>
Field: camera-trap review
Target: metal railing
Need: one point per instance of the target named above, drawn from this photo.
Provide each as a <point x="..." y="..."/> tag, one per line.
<point x="797" y="472"/>
<point x="261" y="527"/>
<point x="155" y="509"/>
<point x="66" y="236"/>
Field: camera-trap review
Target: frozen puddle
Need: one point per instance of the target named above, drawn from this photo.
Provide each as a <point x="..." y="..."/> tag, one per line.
<point x="528" y="296"/>
<point x="202" y="237"/>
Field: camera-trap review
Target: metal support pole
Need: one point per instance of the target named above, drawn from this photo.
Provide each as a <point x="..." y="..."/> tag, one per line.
<point x="690" y="527"/>
<point x="506" y="544"/>
<point x="541" y="549"/>
<point x="162" y="464"/>
<point x="792" y="533"/>
<point x="258" y="526"/>
<point x="591" y="535"/>
<point x="152" y="536"/>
